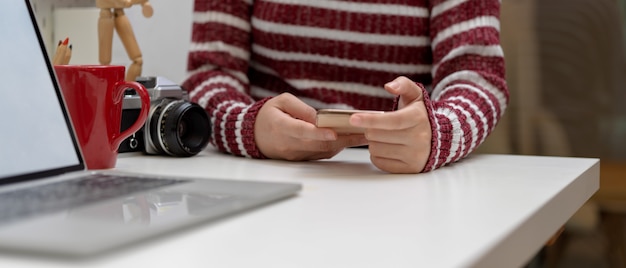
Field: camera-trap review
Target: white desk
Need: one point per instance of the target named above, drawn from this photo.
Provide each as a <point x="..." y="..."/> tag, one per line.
<point x="486" y="211"/>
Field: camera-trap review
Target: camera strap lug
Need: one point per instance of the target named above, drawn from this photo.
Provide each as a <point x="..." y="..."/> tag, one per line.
<point x="133" y="143"/>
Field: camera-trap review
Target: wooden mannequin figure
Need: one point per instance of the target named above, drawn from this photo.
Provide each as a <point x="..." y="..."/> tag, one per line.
<point x="112" y="18"/>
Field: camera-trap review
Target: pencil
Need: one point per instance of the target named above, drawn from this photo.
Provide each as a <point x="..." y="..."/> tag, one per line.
<point x="68" y="55"/>
<point x="59" y="55"/>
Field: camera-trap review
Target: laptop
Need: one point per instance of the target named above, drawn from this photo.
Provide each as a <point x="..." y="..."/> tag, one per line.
<point x="50" y="203"/>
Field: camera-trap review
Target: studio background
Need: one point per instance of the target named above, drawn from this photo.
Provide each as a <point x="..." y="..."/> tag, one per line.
<point x="164" y="38"/>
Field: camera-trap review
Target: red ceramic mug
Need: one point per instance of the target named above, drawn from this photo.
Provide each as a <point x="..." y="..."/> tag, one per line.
<point x="93" y="96"/>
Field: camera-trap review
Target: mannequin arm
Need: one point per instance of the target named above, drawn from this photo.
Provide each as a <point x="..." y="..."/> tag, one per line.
<point x="146" y="8"/>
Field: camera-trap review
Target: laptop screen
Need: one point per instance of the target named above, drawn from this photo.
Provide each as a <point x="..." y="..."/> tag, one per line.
<point x="35" y="133"/>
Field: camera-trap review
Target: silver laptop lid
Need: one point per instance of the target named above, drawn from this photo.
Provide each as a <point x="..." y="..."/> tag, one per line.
<point x="37" y="138"/>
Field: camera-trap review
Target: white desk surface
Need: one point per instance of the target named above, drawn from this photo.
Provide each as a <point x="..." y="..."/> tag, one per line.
<point x="485" y="211"/>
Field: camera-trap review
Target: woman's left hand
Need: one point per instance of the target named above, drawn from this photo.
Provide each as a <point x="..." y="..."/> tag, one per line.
<point x="399" y="141"/>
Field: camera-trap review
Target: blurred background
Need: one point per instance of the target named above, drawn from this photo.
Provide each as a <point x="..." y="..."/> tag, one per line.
<point x="566" y="70"/>
<point x="163" y="39"/>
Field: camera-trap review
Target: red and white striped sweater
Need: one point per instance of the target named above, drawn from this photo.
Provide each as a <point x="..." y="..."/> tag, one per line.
<point x="339" y="54"/>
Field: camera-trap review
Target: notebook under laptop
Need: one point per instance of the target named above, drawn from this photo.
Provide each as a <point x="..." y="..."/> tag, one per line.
<point x="41" y="166"/>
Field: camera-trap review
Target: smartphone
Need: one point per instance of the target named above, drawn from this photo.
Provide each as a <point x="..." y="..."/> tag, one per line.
<point x="338" y="120"/>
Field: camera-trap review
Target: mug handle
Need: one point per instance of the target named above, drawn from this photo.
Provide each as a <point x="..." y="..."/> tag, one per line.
<point x="143" y="113"/>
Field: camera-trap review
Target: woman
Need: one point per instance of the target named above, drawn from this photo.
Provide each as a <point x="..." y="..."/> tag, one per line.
<point x="261" y="69"/>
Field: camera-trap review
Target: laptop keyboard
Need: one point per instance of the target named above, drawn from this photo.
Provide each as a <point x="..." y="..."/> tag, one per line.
<point x="72" y="193"/>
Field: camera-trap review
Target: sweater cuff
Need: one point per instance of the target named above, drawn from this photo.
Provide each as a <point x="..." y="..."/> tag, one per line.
<point x="247" y="129"/>
<point x="436" y="133"/>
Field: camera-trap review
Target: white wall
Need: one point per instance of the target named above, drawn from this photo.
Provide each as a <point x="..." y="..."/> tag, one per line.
<point x="164" y="38"/>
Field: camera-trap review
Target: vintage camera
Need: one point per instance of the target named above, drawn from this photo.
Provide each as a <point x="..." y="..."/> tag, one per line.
<point x="174" y="125"/>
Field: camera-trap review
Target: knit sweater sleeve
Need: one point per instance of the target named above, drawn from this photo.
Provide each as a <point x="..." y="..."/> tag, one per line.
<point x="217" y="64"/>
<point x="469" y="93"/>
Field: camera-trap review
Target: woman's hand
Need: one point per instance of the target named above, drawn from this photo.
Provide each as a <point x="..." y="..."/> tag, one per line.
<point x="399" y="141"/>
<point x="285" y="129"/>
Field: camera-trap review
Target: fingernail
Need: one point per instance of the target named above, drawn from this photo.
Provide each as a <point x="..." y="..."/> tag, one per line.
<point x="393" y="84"/>
<point x="329" y="136"/>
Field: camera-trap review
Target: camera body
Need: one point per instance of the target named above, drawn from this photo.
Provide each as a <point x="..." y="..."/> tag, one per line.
<point x="174" y="125"/>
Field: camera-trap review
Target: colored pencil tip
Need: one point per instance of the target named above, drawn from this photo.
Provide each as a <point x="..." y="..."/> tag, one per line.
<point x="66" y="41"/>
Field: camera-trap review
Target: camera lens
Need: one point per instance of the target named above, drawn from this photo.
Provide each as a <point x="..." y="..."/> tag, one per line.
<point x="179" y="128"/>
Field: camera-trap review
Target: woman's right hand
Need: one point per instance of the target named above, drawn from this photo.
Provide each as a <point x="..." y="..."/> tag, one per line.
<point x="285" y="129"/>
